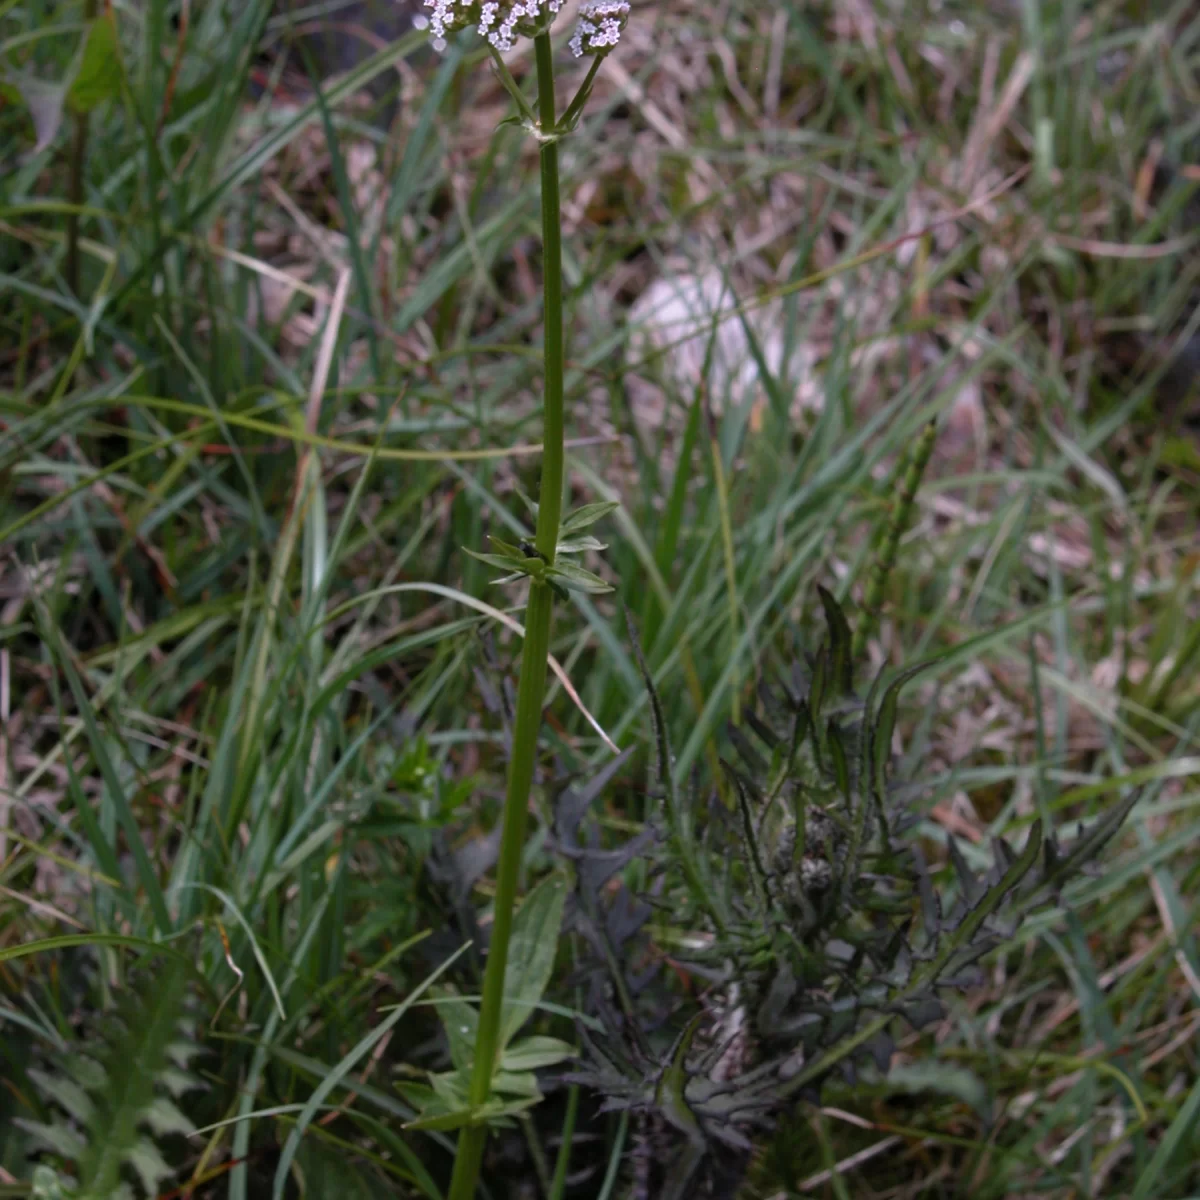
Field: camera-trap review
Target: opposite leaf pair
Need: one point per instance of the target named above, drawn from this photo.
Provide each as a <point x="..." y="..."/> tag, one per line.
<point x="525" y="560"/>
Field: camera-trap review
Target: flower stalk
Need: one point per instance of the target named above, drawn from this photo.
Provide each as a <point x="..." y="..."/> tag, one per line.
<point x="546" y="562"/>
<point x="538" y="619"/>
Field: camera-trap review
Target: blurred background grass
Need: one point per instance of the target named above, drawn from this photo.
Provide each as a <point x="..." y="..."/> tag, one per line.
<point x="249" y="697"/>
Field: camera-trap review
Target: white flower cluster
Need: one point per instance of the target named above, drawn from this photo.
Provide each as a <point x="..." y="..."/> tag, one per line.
<point x="600" y="26"/>
<point x="501" y="22"/>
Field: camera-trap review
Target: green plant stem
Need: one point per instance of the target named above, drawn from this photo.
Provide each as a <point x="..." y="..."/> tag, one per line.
<point x="532" y="686"/>
<point x="551" y="492"/>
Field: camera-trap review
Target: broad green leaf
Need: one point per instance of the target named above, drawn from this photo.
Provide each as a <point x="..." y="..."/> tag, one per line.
<point x="462" y="1027"/>
<point x="452" y="1088"/>
<point x="587" y="515"/>
<point x="533" y="1052"/>
<point x="98" y="77"/>
<point x="531" y="954"/>
<point x="522" y="1084"/>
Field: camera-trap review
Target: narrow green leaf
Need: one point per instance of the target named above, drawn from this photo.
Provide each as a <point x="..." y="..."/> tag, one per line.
<point x="113" y="785"/>
<point x="579" y="545"/>
<point x="1179" y="1134"/>
<point x="576" y="579"/>
<point x="259" y="957"/>
<point x="67" y="940"/>
<point x="503" y="562"/>
<point x="507" y="549"/>
<point x="531" y="505"/>
<point x="587" y="515"/>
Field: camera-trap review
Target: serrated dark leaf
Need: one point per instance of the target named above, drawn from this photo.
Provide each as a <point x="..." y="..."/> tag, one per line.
<point x="764" y="732"/>
<point x="751" y="757"/>
<point x="1070" y="860"/>
<point x="816" y="690"/>
<point x="597" y="867"/>
<point x="625" y="918"/>
<point x="746" y="807"/>
<point x="931" y="905"/>
<point x="573" y="804"/>
<point x="837" y="754"/>
<point x="881" y="1048"/>
<point x="664" y="761"/>
<point x="920" y="1011"/>
<point x="972" y="889"/>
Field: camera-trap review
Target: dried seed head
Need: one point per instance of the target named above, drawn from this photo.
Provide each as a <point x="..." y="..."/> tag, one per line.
<point x="599" y="28"/>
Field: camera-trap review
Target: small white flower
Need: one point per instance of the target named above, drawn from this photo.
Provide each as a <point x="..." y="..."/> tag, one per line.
<point x="599" y="28"/>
